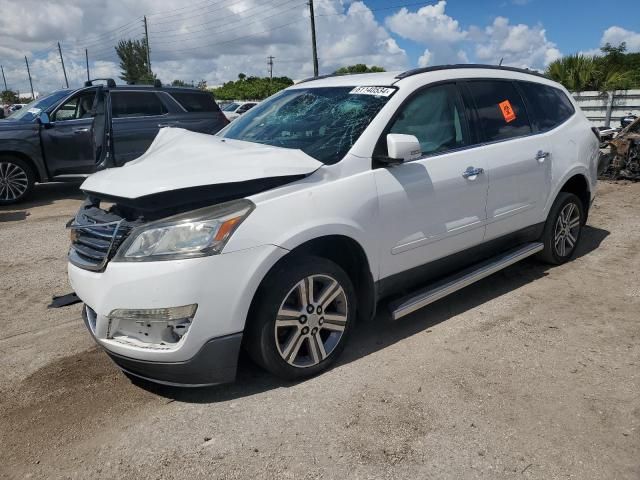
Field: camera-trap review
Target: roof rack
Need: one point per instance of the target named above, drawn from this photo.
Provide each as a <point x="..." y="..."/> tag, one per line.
<point x="110" y="82"/>
<point x="436" y="68"/>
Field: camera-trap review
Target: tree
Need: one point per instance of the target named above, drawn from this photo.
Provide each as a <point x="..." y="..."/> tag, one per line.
<point x="179" y="83"/>
<point x="358" y="68"/>
<point x="133" y="62"/>
<point x="202" y="85"/>
<point x="8" y="97"/>
<point x="613" y="70"/>
<point x="251" y="88"/>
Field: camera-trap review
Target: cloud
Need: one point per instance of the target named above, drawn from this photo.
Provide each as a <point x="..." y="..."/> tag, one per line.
<point x="189" y="42"/>
<point x="616" y="35"/>
<point x="517" y="45"/>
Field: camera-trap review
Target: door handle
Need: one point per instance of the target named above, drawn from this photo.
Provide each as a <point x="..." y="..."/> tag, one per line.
<point x="542" y="156"/>
<point x="472" y="172"/>
<point x="81" y="130"/>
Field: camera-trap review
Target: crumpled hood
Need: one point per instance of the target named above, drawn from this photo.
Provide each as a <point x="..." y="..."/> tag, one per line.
<point x="179" y="159"/>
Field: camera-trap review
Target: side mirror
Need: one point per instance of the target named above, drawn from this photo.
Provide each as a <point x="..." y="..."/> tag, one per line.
<point x="44" y="119"/>
<point x="403" y="148"/>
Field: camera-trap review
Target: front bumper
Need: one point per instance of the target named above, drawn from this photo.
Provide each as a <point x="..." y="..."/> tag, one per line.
<point x="222" y="286"/>
<point x="215" y="363"/>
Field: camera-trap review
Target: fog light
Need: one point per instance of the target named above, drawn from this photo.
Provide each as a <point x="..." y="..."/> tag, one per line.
<point x="151" y="327"/>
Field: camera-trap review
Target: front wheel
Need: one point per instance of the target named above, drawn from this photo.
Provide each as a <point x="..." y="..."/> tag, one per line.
<point x="562" y="229"/>
<point x="16" y="180"/>
<point x="301" y="317"/>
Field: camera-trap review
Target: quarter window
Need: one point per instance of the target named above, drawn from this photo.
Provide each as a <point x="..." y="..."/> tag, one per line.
<point x="434" y="117"/>
<point x="549" y="107"/>
<point x="500" y="110"/>
<point x="196" y="102"/>
<point x="136" y="104"/>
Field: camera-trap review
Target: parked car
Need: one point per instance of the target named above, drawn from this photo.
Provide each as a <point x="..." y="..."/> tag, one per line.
<point x="57" y="136"/>
<point x="235" y="109"/>
<point x="297" y="218"/>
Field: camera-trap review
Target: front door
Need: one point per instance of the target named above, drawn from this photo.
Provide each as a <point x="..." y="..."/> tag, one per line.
<point x="67" y="141"/>
<point x="434" y="206"/>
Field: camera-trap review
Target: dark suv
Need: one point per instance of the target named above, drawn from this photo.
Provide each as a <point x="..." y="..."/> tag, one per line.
<point x="76" y="132"/>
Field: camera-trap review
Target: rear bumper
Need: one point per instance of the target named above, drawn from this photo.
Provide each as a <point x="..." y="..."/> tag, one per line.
<point x="215" y="363"/>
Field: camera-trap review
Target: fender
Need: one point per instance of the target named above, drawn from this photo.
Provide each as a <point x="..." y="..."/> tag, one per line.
<point x="24" y="141"/>
<point x="575" y="170"/>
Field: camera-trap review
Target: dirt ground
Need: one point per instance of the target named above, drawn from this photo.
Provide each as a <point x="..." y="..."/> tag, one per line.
<point x="532" y="373"/>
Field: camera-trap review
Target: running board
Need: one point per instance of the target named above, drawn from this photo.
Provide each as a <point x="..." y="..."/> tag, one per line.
<point x="422" y="298"/>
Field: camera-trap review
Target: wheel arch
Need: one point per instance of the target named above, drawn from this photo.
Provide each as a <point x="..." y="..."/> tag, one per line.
<point x="579" y="186"/>
<point x="40" y="176"/>
<point x="350" y="256"/>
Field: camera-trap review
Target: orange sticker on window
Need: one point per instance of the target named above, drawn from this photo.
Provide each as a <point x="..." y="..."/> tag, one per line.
<point x="507" y="111"/>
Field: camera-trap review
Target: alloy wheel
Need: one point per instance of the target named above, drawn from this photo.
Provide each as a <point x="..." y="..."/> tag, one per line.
<point x="13" y="181"/>
<point x="311" y="321"/>
<point x="566" y="230"/>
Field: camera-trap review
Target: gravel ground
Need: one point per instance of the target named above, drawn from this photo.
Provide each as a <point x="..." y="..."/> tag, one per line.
<point x="531" y="373"/>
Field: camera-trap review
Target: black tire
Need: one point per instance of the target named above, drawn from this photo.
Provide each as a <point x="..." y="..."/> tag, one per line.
<point x="14" y="169"/>
<point x="261" y="336"/>
<point x="553" y="252"/>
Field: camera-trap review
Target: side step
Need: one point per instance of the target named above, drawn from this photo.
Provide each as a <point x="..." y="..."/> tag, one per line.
<point x="447" y="286"/>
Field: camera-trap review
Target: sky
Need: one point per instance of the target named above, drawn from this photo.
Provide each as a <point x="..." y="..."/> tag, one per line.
<point x="215" y="40"/>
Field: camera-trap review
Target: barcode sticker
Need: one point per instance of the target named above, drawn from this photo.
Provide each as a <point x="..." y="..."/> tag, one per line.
<point x="507" y="111"/>
<point x="377" y="91"/>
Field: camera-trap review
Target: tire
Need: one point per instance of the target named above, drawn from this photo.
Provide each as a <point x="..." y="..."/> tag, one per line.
<point x="562" y="229"/>
<point x="283" y="335"/>
<point x="16" y="180"/>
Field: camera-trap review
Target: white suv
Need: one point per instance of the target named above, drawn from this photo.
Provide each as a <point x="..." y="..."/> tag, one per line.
<point x="283" y="232"/>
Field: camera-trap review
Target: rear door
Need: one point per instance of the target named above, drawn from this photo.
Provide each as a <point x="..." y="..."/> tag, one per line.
<point x="518" y="161"/>
<point x="198" y="111"/>
<point x="137" y="115"/>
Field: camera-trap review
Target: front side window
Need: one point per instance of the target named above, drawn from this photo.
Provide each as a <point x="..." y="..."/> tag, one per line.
<point x="136" y="104"/>
<point x="549" y="106"/>
<point x="434" y="117"/>
<point x="77" y="107"/>
<point x="322" y="122"/>
<point x="500" y="108"/>
<point x="30" y="112"/>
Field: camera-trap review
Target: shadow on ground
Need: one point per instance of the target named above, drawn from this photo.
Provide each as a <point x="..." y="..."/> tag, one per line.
<point x="43" y="194"/>
<point x="382" y="332"/>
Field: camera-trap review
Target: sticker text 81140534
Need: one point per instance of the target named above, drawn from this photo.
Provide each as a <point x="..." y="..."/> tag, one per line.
<point x="377" y="91"/>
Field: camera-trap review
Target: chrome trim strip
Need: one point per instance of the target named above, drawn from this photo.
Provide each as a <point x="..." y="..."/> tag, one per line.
<point x="411" y="303"/>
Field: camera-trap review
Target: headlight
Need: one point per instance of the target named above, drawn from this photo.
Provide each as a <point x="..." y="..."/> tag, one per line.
<point x="192" y="234"/>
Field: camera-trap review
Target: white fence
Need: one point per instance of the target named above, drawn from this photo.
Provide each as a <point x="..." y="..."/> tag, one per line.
<point x="607" y="108"/>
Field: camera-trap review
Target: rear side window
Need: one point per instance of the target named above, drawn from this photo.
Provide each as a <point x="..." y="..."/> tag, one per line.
<point x="196" y="102"/>
<point x="548" y="106"/>
<point x="500" y="108"/>
<point x="136" y="104"/>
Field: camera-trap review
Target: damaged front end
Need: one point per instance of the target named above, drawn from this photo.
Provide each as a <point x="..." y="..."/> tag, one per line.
<point x="623" y="161"/>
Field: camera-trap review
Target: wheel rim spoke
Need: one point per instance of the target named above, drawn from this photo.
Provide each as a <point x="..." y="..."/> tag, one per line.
<point x="311" y="321"/>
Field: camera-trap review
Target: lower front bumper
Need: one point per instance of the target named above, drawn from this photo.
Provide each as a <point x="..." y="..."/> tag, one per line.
<point x="213" y="364"/>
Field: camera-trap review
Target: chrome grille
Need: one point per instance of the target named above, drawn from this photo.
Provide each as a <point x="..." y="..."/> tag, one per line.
<point x="95" y="237"/>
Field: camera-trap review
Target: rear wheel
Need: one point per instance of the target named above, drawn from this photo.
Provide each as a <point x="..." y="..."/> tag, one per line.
<point x="301" y="318"/>
<point x="16" y="180"/>
<point x="562" y="229"/>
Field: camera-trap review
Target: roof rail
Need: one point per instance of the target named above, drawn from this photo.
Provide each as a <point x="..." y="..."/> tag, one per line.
<point x="436" y="68"/>
<point x="320" y="77"/>
<point x="110" y="82"/>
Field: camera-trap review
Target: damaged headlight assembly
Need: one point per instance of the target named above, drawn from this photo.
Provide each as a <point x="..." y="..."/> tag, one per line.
<point x="192" y="234"/>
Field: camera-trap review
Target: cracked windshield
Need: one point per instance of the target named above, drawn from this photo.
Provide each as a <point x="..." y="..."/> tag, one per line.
<point x="322" y="122"/>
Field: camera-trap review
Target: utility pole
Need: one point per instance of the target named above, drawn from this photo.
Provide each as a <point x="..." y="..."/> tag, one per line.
<point x="33" y="95"/>
<point x="62" y="62"/>
<point x="4" y="79"/>
<point x="270" y="63"/>
<point x="146" y="36"/>
<point x="313" y="39"/>
<point x="86" y="56"/>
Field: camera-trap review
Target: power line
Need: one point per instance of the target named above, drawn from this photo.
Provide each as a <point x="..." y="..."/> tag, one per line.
<point x="240" y="24"/>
